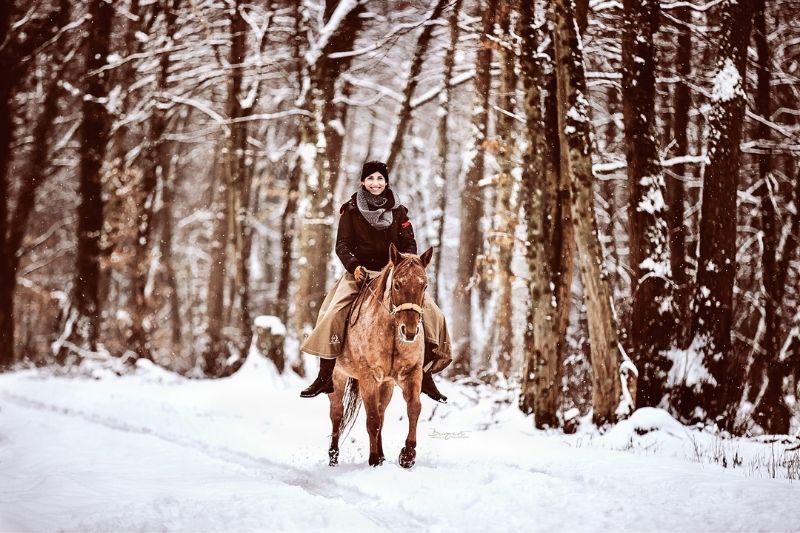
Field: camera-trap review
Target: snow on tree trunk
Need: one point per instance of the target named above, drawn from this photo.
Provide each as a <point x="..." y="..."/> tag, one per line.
<point x="472" y="199"/>
<point x="716" y="267"/>
<point x="652" y="315"/>
<point x="608" y="399"/>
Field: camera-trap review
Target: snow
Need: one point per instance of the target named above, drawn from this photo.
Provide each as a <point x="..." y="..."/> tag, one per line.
<point x="342" y="9"/>
<point x="660" y="268"/>
<point x="687" y="365"/>
<point x="155" y="451"/>
<point x="727" y="83"/>
<point x="270" y="323"/>
<point x="308" y="154"/>
<point x="652" y="200"/>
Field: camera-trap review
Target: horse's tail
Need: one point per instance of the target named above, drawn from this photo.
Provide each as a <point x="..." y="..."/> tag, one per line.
<point x="352" y="404"/>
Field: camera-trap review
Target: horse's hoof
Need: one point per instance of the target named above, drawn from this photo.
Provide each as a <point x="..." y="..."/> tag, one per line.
<point x="333" y="457"/>
<point x="407" y="457"/>
<point x="376" y="461"/>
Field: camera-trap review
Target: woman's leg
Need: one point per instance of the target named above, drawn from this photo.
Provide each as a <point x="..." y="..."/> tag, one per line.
<point x="328" y="336"/>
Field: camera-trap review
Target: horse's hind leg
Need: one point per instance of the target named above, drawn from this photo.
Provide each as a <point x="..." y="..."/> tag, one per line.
<point x="336" y="411"/>
<point x="411" y="385"/>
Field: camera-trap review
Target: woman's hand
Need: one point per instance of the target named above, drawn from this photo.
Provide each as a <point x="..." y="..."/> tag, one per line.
<point x="360" y="273"/>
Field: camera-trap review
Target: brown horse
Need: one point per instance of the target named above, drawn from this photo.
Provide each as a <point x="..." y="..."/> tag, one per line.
<point x="384" y="346"/>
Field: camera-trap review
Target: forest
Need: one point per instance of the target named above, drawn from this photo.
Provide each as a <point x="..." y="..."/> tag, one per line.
<point x="611" y="188"/>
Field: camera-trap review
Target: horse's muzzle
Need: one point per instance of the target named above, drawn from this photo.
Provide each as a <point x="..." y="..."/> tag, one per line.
<point x="404" y="336"/>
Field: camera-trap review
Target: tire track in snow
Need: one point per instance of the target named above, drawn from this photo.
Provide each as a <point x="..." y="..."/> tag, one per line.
<point x="253" y="466"/>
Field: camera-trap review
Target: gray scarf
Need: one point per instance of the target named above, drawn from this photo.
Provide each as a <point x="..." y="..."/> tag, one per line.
<point x="371" y="208"/>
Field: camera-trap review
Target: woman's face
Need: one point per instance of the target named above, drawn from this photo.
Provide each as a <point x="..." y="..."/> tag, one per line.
<point x="375" y="183"/>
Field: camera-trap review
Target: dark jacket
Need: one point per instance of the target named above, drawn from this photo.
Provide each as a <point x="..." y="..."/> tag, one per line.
<point x="358" y="243"/>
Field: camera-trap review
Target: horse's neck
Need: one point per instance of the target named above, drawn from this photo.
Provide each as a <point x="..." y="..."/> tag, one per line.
<point x="380" y="294"/>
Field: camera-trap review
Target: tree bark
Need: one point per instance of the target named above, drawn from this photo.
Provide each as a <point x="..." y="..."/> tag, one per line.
<point x="504" y="221"/>
<point x="540" y="392"/>
<point x="14" y="61"/>
<point x="575" y="138"/>
<point x="82" y="321"/>
<point x="716" y="268"/>
<point x="443" y="144"/>
<point x="767" y="372"/>
<point x="472" y="199"/>
<point x="226" y="244"/>
<point x="676" y="191"/>
<point x="651" y="315"/>
<point x="289" y="218"/>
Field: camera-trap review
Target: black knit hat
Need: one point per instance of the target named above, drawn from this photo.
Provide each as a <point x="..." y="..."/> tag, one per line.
<point x="374" y="166"/>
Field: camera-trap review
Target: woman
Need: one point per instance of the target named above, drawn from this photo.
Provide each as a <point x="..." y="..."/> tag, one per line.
<point x="371" y="220"/>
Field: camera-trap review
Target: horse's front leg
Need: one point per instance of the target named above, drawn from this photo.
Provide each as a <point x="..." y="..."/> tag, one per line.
<point x="336" y="411"/>
<point x="384" y="397"/>
<point x="411" y="384"/>
<point x="370" y="396"/>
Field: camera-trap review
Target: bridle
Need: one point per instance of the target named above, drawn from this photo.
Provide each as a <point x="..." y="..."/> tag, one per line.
<point x="392" y="308"/>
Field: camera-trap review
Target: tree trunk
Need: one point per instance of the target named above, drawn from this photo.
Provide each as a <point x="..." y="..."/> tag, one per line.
<point x="6" y="136"/>
<point x="767" y="372"/>
<point x="504" y="221"/>
<point x="82" y="321"/>
<point x="716" y="268"/>
<point x="315" y="232"/>
<point x="423" y="42"/>
<point x="676" y="191"/>
<point x="289" y="218"/>
<point x="542" y="362"/>
<point x="154" y="166"/>
<point x="575" y="137"/>
<point x="443" y="144"/>
<point x="226" y="242"/>
<point x="651" y="314"/>
<point x="472" y="199"/>
<point x="14" y="55"/>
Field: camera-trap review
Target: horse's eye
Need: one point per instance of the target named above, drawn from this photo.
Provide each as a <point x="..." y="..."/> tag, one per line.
<point x="396" y="286"/>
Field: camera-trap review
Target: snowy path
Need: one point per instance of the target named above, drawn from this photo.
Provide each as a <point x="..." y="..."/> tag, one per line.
<point x="155" y="452"/>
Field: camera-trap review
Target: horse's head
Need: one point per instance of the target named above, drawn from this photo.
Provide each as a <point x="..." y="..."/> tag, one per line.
<point x="407" y="290"/>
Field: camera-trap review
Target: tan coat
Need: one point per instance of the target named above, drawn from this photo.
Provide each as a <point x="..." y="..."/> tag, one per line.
<point x="327" y="338"/>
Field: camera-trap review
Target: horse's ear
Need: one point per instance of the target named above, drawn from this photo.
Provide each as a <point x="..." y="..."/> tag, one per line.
<point x="394" y="254"/>
<point x="426" y="257"/>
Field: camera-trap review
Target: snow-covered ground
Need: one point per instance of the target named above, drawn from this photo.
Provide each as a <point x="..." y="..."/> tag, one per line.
<point x="157" y="452"/>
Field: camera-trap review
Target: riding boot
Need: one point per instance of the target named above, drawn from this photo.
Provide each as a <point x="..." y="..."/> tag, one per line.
<point x="324" y="381"/>
<point x="428" y="385"/>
